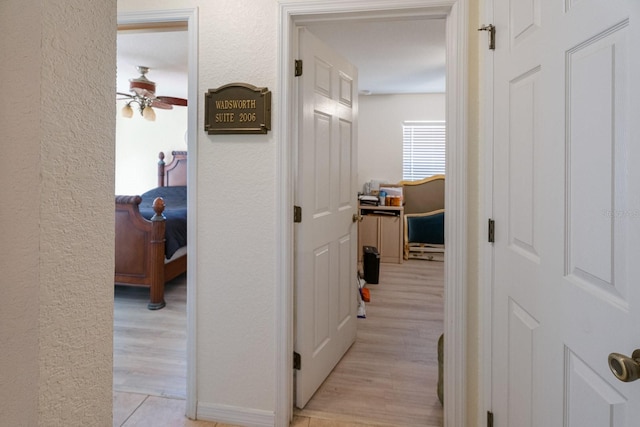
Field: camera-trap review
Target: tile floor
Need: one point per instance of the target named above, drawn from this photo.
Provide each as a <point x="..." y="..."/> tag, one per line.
<point x="139" y="410"/>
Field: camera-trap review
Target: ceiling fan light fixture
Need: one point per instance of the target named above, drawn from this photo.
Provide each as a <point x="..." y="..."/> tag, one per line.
<point x="149" y="114"/>
<point x="142" y="86"/>
<point x="127" y="111"/>
<point x="142" y="92"/>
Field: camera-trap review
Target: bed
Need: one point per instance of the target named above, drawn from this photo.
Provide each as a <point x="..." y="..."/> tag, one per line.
<point x="151" y="232"/>
<point x="424" y="216"/>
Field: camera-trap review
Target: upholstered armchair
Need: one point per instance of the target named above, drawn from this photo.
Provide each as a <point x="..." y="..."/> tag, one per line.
<point x="424" y="218"/>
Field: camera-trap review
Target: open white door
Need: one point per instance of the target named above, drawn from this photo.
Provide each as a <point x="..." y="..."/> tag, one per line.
<point x="567" y="209"/>
<point x="325" y="240"/>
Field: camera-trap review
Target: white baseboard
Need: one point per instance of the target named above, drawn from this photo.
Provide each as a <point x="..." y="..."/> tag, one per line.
<point x="235" y="415"/>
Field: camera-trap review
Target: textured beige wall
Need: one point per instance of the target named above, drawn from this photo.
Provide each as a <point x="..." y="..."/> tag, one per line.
<point x="19" y="212"/>
<point x="237" y="248"/>
<point x="56" y="322"/>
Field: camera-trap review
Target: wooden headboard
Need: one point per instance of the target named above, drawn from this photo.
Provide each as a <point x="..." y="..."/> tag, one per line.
<point x="175" y="173"/>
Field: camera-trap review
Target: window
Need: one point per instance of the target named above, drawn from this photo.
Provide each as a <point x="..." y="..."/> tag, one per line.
<point x="423" y="149"/>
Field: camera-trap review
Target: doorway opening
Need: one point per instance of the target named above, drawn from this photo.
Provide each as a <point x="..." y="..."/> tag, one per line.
<point x="392" y="331"/>
<point x="454" y="12"/>
<point x="166" y="43"/>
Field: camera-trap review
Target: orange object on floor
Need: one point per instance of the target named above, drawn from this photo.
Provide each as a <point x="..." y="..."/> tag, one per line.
<point x="366" y="295"/>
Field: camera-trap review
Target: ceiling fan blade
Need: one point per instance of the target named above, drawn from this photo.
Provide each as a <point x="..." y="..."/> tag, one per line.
<point x="173" y="101"/>
<point x="143" y="92"/>
<point x="157" y="103"/>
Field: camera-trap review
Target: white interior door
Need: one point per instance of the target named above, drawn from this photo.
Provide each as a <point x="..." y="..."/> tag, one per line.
<point x="567" y="209"/>
<point x="325" y="240"/>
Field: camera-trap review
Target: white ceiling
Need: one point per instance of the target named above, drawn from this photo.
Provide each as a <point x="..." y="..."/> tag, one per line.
<point x="392" y="56"/>
<point x="401" y="56"/>
<point x="164" y="52"/>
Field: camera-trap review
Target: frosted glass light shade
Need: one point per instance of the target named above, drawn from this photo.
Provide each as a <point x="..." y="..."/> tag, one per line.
<point x="127" y="111"/>
<point x="149" y="114"/>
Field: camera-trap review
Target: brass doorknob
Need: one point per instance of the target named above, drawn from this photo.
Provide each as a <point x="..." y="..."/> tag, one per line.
<point x="625" y="368"/>
<point x="356" y="218"/>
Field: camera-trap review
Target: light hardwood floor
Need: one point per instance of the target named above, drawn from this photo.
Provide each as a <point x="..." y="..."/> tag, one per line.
<point x="387" y="378"/>
<point x="150" y="346"/>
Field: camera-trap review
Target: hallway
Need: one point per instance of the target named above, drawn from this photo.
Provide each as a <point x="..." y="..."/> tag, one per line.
<point x="387" y="378"/>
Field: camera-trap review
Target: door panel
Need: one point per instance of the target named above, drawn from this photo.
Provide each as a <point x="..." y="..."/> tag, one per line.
<point x="597" y="111"/>
<point x="525" y="16"/>
<point x="346" y="279"/>
<point x="321" y="297"/>
<point x="346" y="172"/>
<point x="322" y="160"/>
<point x="566" y="205"/>
<point x="325" y="240"/>
<point x="592" y="401"/>
<point x="522" y="342"/>
<point x="524" y="128"/>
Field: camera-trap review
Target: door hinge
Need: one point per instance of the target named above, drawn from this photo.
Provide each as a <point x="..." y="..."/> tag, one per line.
<point x="297" y="361"/>
<point x="489" y="419"/>
<point x="492" y="231"/>
<point x="297" y="214"/>
<point x="298" y="68"/>
<point x="492" y="35"/>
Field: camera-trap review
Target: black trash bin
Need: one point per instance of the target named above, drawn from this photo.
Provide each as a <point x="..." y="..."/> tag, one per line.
<point x="371" y="261"/>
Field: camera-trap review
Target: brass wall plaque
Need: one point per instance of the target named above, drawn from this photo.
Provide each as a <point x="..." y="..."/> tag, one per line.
<point x="237" y="108"/>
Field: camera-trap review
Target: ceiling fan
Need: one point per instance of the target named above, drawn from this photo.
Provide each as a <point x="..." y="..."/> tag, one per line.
<point x="143" y="93"/>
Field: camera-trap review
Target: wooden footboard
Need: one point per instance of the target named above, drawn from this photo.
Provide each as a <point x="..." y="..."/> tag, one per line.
<point x="140" y="243"/>
<point x="139" y="257"/>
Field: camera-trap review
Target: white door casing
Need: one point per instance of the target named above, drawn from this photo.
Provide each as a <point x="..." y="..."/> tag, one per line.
<point x="567" y="210"/>
<point x="326" y="239"/>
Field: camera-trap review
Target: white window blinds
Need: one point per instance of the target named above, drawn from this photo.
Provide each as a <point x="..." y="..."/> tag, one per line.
<point x="423" y="149"/>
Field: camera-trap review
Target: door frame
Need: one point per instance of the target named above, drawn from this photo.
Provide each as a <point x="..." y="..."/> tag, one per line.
<point x="485" y="294"/>
<point x="190" y="16"/>
<point x="292" y="12"/>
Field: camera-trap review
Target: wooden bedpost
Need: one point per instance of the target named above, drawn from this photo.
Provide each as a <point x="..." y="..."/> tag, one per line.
<point x="157" y="255"/>
<point x="161" y="165"/>
<point x="140" y="255"/>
